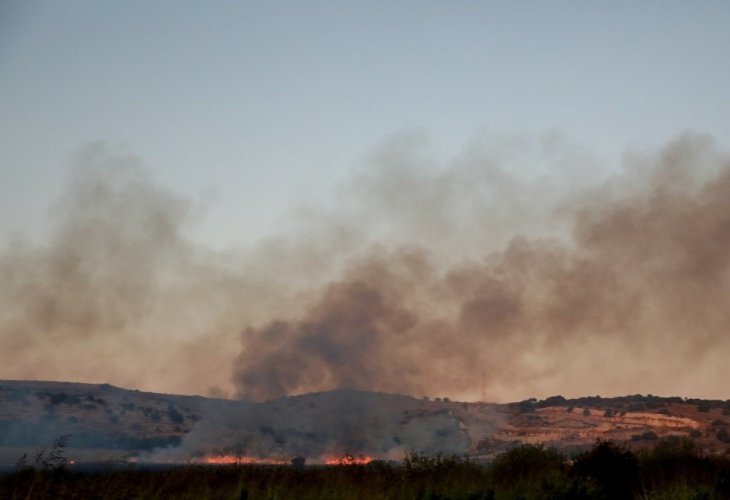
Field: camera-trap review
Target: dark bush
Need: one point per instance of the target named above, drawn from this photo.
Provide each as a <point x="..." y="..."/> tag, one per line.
<point x="528" y="470"/>
<point x="674" y="448"/>
<point x="646" y="436"/>
<point x="552" y="401"/>
<point x="526" y="406"/>
<point x="704" y="407"/>
<point x="610" y="469"/>
<point x="636" y="407"/>
<point x="174" y="415"/>
<point x="723" y="435"/>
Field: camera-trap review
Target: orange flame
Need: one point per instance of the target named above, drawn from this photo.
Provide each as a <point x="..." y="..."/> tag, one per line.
<point x="349" y="459"/>
<point x="239" y="460"/>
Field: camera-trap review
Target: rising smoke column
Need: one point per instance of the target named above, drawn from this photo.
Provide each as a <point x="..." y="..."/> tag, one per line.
<point x="636" y="298"/>
<point x="426" y="276"/>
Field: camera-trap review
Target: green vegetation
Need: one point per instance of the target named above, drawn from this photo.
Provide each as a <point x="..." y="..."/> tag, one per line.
<point x="673" y="469"/>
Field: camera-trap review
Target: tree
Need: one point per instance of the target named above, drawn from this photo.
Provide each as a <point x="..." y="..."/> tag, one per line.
<point x="611" y="468"/>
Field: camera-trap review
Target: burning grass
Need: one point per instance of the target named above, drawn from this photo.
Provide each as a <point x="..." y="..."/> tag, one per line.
<point x="239" y="460"/>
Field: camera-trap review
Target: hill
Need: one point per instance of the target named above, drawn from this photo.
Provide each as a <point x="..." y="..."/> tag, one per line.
<point x="104" y="422"/>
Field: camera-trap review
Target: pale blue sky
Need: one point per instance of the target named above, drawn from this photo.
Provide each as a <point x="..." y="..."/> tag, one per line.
<point x="262" y="103"/>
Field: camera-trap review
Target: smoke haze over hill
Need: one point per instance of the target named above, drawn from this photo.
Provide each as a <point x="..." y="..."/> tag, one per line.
<point x="427" y="276"/>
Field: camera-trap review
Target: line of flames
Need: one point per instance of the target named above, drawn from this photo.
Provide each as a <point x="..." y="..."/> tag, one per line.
<point x="349" y="460"/>
<point x="346" y="459"/>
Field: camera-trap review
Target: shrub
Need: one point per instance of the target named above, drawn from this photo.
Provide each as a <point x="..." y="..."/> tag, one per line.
<point x="526" y="406"/>
<point x="553" y="401"/>
<point x="611" y="469"/>
<point x="636" y="407"/>
<point x="723" y="435"/>
<point x="674" y="448"/>
<point x="174" y="415"/>
<point x="527" y="470"/>
<point x="647" y="436"/>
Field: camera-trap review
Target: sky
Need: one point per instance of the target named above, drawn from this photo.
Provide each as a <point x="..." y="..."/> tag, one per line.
<point x="284" y="140"/>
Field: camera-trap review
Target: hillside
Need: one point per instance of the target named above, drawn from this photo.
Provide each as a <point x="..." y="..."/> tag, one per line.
<point x="104" y="422"/>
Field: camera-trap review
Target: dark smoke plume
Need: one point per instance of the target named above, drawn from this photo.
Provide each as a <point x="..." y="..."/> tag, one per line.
<point x="427" y="276"/>
<point x="636" y="298"/>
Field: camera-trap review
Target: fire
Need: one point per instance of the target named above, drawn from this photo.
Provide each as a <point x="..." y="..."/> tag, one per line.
<point x="349" y="460"/>
<point x="239" y="460"/>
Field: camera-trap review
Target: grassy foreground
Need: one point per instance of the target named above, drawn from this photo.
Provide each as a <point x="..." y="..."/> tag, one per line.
<point x="674" y="469"/>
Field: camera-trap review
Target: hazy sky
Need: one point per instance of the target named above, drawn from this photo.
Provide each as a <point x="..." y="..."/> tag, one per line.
<point x="246" y="105"/>
<point x="496" y="199"/>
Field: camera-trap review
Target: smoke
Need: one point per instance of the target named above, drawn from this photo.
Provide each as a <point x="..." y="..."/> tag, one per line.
<point x="333" y="424"/>
<point x="630" y="293"/>
<point x="117" y="292"/>
<point x="426" y="275"/>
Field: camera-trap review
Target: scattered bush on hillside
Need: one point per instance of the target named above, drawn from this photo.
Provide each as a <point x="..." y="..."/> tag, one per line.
<point x="526" y="406"/>
<point x="723" y="435"/>
<point x="174" y="415"/>
<point x="636" y="407"/>
<point x="98" y="401"/>
<point x="552" y="401"/>
<point x="646" y="436"/>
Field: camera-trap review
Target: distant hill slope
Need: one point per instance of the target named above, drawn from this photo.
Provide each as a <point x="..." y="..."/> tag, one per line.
<point x="103" y="421"/>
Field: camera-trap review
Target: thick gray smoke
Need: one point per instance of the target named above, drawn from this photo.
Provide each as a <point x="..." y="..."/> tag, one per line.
<point x="117" y="292"/>
<point x="334" y="424"/>
<point x="635" y="299"/>
<point x="427" y="276"/>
